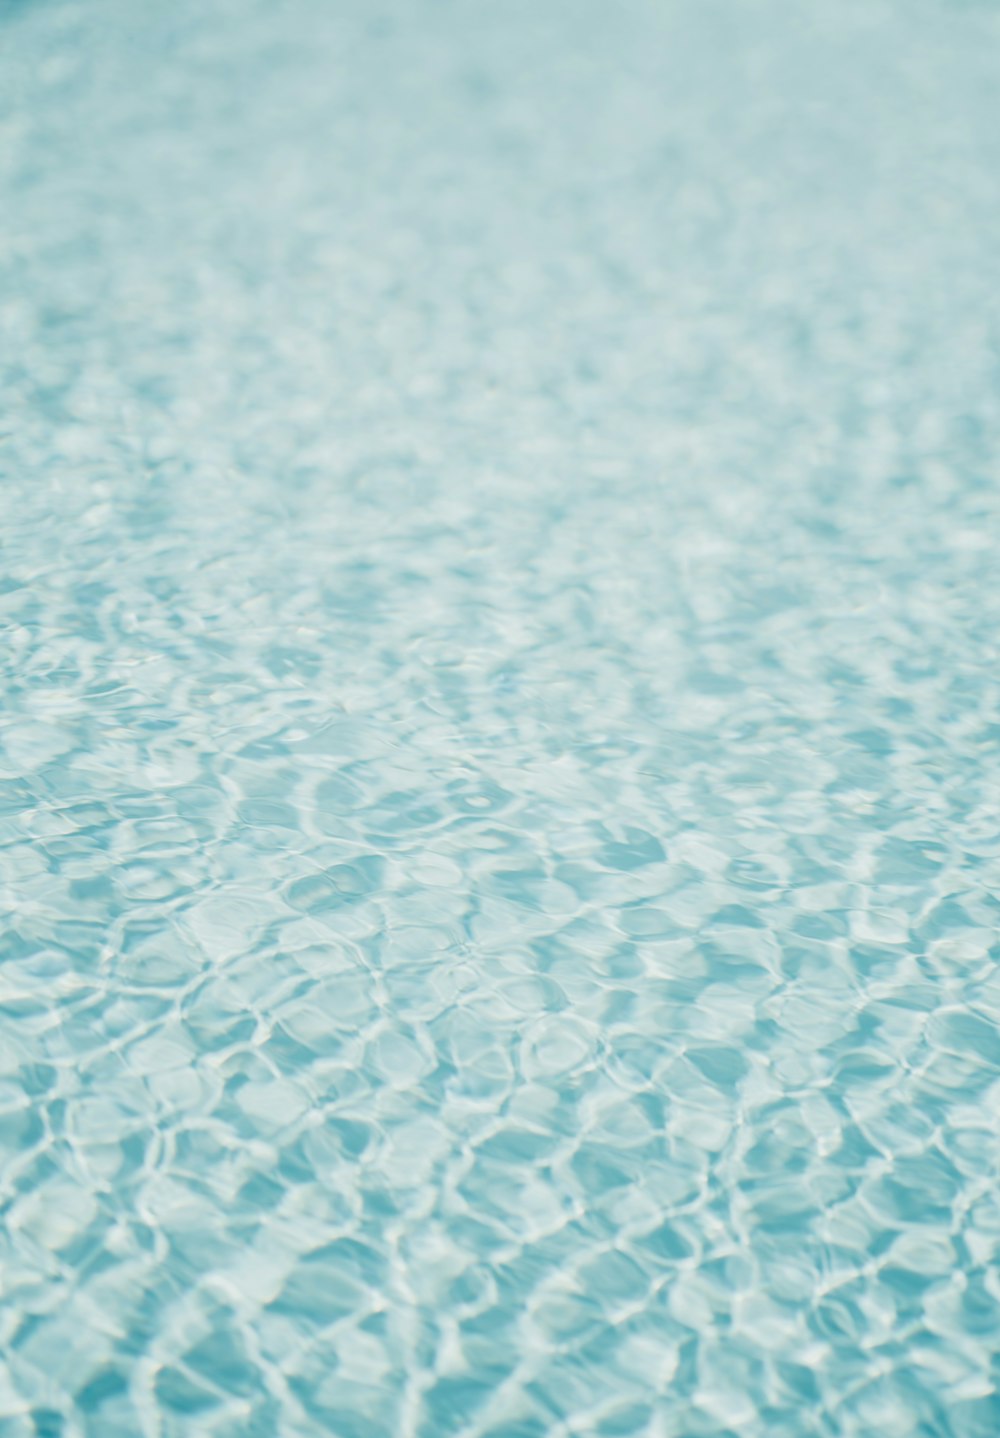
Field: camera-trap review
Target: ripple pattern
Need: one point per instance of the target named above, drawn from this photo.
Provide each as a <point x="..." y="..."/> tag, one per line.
<point x="499" y="800"/>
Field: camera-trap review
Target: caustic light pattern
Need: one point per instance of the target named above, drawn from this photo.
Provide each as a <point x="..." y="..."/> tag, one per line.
<point x="499" y="804"/>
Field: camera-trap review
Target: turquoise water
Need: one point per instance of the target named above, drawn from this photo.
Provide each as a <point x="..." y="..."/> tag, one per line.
<point x="499" y="787"/>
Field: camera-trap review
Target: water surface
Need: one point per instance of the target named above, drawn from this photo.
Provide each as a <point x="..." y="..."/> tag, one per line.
<point x="499" y="802"/>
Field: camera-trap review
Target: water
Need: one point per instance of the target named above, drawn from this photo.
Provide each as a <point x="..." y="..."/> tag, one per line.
<point x="499" y="800"/>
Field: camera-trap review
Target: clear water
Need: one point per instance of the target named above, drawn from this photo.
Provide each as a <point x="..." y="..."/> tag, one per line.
<point x="500" y="810"/>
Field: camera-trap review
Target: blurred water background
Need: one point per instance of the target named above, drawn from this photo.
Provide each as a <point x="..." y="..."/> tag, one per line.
<point x="499" y="824"/>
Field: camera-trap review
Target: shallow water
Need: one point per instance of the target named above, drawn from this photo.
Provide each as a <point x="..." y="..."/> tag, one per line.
<point x="499" y="800"/>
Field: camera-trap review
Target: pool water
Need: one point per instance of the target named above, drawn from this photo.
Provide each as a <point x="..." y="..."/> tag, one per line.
<point x="499" y="785"/>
